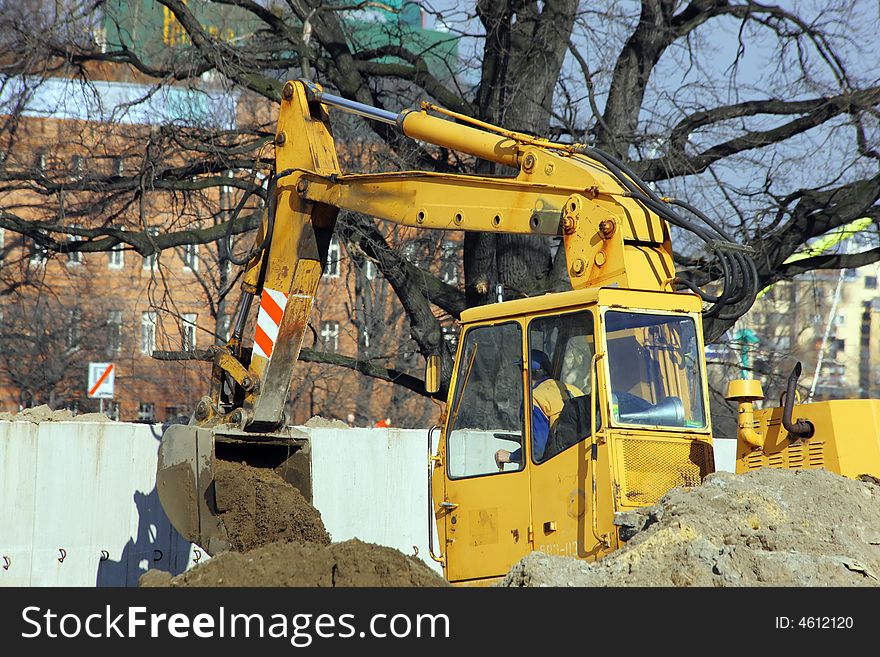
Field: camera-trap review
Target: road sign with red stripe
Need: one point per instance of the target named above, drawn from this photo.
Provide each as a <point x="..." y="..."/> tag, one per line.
<point x="102" y="377"/>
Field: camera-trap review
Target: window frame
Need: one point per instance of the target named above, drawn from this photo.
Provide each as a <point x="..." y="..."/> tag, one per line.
<point x="334" y="334"/>
<point x="190" y="257"/>
<point x="190" y="327"/>
<point x="333" y="268"/>
<point x="153" y="317"/>
<point x="608" y="416"/>
<point x="457" y="391"/>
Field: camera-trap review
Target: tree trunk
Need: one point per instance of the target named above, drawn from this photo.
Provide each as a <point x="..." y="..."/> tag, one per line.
<point x="522" y="58"/>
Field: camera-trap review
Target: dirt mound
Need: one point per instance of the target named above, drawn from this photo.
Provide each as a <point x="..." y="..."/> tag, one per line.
<point x="258" y="507"/>
<point x="347" y="564"/>
<point x="44" y="413"/>
<point x="279" y="539"/>
<point x="765" y="528"/>
<point x="319" y="422"/>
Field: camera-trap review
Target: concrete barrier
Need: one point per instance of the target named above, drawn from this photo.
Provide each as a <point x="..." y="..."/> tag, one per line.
<point x="80" y="507"/>
<point x="725" y="454"/>
<point x="372" y="484"/>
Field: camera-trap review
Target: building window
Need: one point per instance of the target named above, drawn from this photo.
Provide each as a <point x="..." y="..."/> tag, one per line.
<point x="146" y="412"/>
<point x="39" y="253"/>
<point x="152" y="261"/>
<point x="118" y="166"/>
<point x="369" y="269"/>
<point x="114" y="331"/>
<point x="74" y="316"/>
<point x="450" y="336"/>
<point x="189" y="331"/>
<point x="191" y="257"/>
<point x="227" y="192"/>
<point x="332" y="269"/>
<point x="76" y="167"/>
<point x="113" y="411"/>
<point x="117" y="256"/>
<point x="449" y="262"/>
<point x="225" y="323"/>
<point x="870" y="282"/>
<point x="73" y="257"/>
<point x="2" y="245"/>
<point x="148" y="333"/>
<point x="172" y="413"/>
<point x="330" y="335"/>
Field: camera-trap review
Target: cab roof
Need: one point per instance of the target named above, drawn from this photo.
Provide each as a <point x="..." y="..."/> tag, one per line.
<point x="572" y="299"/>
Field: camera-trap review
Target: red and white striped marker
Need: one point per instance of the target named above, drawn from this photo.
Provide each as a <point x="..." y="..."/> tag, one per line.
<point x="272" y="305"/>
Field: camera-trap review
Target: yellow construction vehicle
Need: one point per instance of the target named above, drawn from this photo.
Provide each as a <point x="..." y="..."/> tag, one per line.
<point x="624" y="345"/>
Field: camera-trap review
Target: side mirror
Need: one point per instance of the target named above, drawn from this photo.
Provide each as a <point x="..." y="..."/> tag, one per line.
<point x="432" y="374"/>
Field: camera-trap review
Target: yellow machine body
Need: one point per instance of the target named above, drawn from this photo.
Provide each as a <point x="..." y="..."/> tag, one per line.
<point x="846" y="439"/>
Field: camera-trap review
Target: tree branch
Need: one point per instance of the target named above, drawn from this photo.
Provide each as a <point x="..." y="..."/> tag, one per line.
<point x="376" y="371"/>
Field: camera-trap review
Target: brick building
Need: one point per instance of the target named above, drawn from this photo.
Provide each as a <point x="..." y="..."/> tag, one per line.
<point x="61" y="311"/>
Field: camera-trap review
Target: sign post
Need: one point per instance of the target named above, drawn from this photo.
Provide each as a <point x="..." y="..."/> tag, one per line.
<point x="102" y="378"/>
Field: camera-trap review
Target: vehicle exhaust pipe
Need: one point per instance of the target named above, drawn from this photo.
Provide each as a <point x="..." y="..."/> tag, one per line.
<point x="803" y="428"/>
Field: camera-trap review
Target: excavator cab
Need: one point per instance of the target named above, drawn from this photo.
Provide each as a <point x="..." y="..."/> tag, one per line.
<point x="629" y="423"/>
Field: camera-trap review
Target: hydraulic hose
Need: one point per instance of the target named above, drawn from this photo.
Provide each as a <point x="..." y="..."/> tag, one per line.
<point x="738" y="271"/>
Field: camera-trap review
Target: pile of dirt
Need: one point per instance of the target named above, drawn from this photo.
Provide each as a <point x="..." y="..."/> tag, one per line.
<point x="765" y="528"/>
<point x="279" y="539"/>
<point x="44" y="413"/>
<point x="347" y="564"/>
<point x="258" y="507"/>
<point x="318" y="422"/>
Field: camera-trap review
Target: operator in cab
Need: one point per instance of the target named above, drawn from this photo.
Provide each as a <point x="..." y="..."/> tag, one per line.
<point x="548" y="399"/>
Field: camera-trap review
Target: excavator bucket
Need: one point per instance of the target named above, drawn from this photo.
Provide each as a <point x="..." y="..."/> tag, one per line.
<point x="185" y="482"/>
<point x="186" y="478"/>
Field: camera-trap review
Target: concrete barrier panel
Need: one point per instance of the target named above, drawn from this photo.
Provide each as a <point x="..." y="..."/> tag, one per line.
<point x="725" y="454"/>
<point x="372" y="484"/>
<point x="18" y="477"/>
<point x="82" y="505"/>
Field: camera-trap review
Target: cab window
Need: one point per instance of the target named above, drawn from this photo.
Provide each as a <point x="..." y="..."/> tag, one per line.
<point x="654" y="363"/>
<point x="486" y="414"/>
<point x="561" y="349"/>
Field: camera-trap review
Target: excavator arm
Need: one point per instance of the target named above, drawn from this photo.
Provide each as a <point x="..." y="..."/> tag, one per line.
<point x="614" y="229"/>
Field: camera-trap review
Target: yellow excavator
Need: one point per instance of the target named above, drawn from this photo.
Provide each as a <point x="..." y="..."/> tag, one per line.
<point x="625" y="343"/>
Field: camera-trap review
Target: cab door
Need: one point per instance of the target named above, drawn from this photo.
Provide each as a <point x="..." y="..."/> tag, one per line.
<point x="561" y="475"/>
<point x="485" y="509"/>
